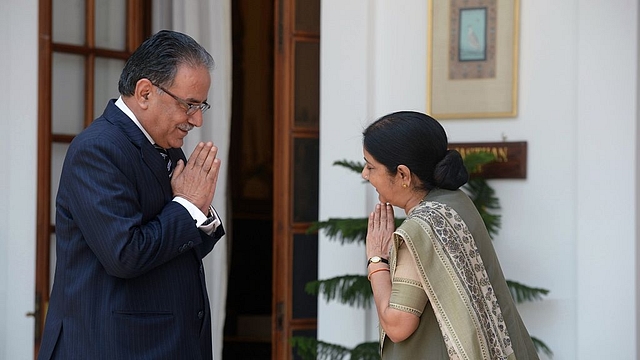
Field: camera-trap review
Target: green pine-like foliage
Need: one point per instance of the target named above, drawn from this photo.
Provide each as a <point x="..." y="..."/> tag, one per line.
<point x="355" y="290"/>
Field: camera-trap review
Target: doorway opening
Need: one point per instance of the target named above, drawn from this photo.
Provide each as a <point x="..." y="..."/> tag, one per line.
<point x="247" y="330"/>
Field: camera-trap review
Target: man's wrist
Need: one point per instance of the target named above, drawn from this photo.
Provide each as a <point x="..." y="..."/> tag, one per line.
<point x="211" y="217"/>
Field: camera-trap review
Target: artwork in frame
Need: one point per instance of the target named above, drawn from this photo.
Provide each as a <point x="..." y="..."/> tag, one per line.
<point x="473" y="58"/>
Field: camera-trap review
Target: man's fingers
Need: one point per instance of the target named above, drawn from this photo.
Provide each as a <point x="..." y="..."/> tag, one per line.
<point x="209" y="161"/>
<point x="215" y="169"/>
<point x="201" y="159"/>
<point x="197" y="178"/>
<point x="194" y="155"/>
<point x="177" y="170"/>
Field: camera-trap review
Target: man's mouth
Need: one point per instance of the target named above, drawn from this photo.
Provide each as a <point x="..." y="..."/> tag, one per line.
<point x="185" y="127"/>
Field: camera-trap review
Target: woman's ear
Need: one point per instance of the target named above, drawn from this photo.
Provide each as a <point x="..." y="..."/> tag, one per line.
<point x="404" y="173"/>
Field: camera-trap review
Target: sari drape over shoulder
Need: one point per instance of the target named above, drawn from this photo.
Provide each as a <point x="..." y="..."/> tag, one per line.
<point x="455" y="280"/>
<point x="444" y="269"/>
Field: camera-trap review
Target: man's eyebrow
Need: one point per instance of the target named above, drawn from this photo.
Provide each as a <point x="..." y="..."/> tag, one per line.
<point x="195" y="101"/>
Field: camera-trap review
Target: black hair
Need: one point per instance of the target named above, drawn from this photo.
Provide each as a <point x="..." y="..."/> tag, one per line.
<point x="158" y="59"/>
<point x="419" y="142"/>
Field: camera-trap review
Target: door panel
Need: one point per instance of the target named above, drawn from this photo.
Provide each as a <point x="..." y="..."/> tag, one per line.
<point x="296" y="157"/>
<point x="105" y="87"/>
<point x="307" y="85"/>
<point x="68" y="20"/>
<point x="304" y="305"/>
<point x="307" y="17"/>
<point x="108" y="36"/>
<point x="305" y="179"/>
<point x="67" y="94"/>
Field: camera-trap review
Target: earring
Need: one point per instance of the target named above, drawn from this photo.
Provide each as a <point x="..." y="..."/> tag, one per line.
<point x="404" y="185"/>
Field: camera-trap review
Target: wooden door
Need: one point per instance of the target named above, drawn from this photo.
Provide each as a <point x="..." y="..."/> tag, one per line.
<point x="83" y="47"/>
<point x="296" y="164"/>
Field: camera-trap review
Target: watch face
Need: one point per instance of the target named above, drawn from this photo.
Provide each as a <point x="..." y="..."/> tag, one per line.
<point x="377" y="259"/>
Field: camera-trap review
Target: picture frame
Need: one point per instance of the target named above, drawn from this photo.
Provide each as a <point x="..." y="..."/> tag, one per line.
<point x="473" y="58"/>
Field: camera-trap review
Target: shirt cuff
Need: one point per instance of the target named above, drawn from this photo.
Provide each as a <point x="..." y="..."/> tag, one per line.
<point x="207" y="223"/>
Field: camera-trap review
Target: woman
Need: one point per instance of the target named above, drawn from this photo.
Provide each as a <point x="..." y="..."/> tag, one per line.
<point x="437" y="283"/>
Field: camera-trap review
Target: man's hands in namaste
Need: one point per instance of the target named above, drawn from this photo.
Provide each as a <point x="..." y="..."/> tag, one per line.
<point x="196" y="181"/>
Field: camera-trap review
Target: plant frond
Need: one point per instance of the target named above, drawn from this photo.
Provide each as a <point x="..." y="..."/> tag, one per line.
<point x="473" y="161"/>
<point x="522" y="293"/>
<point x="485" y="200"/>
<point x="366" y="351"/>
<point x="347" y="230"/>
<point x="354" y="166"/>
<point x="309" y="348"/>
<point x="540" y="346"/>
<point x="354" y="290"/>
<point x="483" y="194"/>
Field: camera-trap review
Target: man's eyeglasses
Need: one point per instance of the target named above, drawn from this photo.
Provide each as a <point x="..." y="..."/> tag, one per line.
<point x="191" y="108"/>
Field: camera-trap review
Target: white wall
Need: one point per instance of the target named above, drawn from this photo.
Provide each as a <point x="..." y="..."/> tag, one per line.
<point x="19" y="104"/>
<point x="345" y="80"/>
<point x="607" y="197"/>
<point x="569" y="227"/>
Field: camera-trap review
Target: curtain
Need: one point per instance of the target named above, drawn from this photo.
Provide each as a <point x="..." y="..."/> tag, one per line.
<point x="209" y="23"/>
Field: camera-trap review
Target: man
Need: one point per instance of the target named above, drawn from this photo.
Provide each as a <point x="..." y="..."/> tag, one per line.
<point x="131" y="227"/>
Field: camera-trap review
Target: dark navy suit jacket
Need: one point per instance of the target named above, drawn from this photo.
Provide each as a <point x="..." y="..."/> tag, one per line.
<point x="129" y="280"/>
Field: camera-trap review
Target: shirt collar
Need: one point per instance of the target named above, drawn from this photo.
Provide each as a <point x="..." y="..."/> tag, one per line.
<point x="125" y="109"/>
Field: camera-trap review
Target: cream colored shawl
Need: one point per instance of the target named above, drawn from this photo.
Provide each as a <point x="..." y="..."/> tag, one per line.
<point x="456" y="283"/>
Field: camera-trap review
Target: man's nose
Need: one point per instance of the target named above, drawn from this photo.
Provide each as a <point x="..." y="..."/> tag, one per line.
<point x="196" y="119"/>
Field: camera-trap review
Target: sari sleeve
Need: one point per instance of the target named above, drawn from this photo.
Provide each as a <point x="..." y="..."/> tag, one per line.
<point x="407" y="293"/>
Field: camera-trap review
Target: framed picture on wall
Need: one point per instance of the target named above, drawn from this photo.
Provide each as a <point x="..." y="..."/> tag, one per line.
<point x="473" y="58"/>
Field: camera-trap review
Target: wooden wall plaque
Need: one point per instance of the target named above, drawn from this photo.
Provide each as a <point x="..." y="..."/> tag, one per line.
<point x="510" y="163"/>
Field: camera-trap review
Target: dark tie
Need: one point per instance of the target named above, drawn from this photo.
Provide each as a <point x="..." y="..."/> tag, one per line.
<point x="165" y="156"/>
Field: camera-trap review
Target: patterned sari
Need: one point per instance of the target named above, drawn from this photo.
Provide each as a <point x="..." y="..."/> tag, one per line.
<point x="452" y="274"/>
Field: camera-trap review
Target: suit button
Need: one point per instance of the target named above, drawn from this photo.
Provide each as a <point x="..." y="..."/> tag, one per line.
<point x="200" y="314"/>
<point x="190" y="244"/>
<point x="182" y="248"/>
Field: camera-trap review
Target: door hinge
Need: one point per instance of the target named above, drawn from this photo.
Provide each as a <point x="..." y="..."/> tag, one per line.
<point x="36" y="315"/>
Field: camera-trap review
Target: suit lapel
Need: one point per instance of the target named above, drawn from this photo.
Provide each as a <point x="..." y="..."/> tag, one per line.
<point x="148" y="153"/>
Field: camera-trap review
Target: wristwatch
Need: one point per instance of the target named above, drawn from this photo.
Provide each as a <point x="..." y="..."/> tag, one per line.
<point x="210" y="217"/>
<point x="376" y="259"/>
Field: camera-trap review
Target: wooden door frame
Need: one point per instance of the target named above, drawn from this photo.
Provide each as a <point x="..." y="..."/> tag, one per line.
<point x="282" y="201"/>
<point x="138" y="26"/>
<point x="43" y="208"/>
<point x="284" y="228"/>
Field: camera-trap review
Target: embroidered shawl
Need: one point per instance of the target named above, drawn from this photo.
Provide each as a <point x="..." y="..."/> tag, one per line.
<point x="456" y="283"/>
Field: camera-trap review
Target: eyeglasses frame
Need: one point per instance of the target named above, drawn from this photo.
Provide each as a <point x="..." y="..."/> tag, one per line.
<point x="191" y="108"/>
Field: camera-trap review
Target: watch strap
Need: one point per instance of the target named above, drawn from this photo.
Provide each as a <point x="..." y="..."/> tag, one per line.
<point x="377" y="259"/>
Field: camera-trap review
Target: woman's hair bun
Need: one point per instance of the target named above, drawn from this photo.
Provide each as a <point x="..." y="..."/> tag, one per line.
<point x="450" y="173"/>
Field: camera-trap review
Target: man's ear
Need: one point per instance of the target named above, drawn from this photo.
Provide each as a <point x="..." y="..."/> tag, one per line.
<point x="142" y="92"/>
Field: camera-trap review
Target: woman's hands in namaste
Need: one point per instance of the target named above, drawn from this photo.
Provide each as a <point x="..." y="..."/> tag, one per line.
<point x="380" y="231"/>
